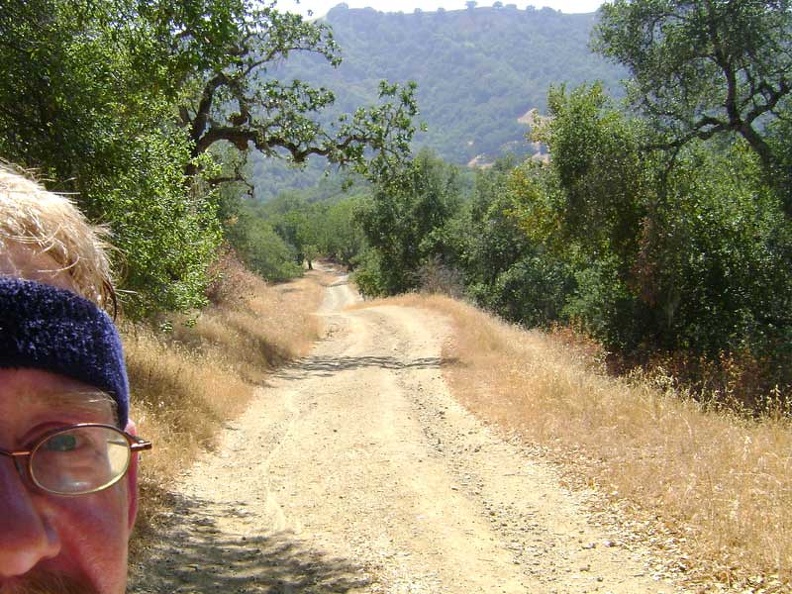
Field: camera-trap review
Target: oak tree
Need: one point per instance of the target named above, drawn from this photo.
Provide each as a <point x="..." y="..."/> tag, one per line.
<point x="703" y="68"/>
<point x="220" y="58"/>
<point x="123" y="102"/>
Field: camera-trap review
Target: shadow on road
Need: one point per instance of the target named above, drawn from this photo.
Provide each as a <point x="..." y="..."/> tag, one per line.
<point x="326" y="366"/>
<point x="195" y="556"/>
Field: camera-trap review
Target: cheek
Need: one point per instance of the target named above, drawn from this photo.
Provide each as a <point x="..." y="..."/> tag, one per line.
<point x="94" y="536"/>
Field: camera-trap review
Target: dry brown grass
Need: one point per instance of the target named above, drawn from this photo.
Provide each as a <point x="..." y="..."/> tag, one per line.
<point x="186" y="384"/>
<point x="711" y="491"/>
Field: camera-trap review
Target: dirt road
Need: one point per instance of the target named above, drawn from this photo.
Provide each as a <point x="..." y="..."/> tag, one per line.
<point x="356" y="471"/>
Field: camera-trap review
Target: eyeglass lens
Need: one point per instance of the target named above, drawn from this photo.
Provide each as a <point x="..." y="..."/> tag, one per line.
<point x="80" y="460"/>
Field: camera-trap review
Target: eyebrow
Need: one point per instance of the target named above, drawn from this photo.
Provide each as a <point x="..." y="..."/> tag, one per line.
<point x="89" y="401"/>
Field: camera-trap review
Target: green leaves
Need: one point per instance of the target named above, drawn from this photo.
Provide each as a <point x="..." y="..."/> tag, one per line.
<point x="130" y="105"/>
<point x="716" y="260"/>
<point x="166" y="236"/>
<point x="77" y="106"/>
<point x="403" y="223"/>
<point x="595" y="155"/>
<point x="702" y="69"/>
<point x="684" y="252"/>
<point x="228" y="94"/>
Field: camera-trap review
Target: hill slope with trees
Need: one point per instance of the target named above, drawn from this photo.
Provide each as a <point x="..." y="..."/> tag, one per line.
<point x="478" y="72"/>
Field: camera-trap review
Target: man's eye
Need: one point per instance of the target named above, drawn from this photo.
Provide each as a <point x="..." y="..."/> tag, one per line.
<point x="65" y="442"/>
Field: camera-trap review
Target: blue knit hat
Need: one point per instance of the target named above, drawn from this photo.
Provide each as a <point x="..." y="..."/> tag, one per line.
<point x="43" y="327"/>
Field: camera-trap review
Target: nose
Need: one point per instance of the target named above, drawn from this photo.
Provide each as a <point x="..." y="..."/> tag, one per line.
<point x="26" y="535"/>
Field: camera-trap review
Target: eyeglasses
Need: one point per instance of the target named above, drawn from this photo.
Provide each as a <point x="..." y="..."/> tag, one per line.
<point x="78" y="459"/>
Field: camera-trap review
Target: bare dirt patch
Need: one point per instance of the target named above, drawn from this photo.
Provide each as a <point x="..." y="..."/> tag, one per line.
<point x="355" y="470"/>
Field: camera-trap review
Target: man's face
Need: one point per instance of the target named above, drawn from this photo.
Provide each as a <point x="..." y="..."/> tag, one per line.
<point x="51" y="543"/>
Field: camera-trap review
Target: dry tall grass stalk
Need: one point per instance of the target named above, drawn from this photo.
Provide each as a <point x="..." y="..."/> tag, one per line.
<point x="187" y="383"/>
<point x="713" y="490"/>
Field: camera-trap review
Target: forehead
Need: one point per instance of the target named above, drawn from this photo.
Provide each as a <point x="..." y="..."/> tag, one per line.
<point x="33" y="263"/>
<point x="27" y="395"/>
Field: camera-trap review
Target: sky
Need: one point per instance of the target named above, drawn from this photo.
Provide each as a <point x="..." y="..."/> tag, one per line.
<point x="321" y="7"/>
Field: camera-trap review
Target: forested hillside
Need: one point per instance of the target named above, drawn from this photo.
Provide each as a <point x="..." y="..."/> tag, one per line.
<point x="478" y="70"/>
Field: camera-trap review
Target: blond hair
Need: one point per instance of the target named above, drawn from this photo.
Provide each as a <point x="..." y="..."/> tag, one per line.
<point x="52" y="238"/>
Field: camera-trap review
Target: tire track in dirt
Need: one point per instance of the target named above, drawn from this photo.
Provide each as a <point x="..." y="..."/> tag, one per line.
<point x="356" y="471"/>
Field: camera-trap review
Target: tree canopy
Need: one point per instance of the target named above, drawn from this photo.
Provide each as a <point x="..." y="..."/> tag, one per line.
<point x="705" y="68"/>
<point x="134" y="105"/>
<point x="235" y="98"/>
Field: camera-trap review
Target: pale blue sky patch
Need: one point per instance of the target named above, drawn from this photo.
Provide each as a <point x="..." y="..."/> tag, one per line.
<point x="321" y="7"/>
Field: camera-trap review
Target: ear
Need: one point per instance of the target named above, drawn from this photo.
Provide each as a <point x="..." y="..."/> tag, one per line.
<point x="131" y="479"/>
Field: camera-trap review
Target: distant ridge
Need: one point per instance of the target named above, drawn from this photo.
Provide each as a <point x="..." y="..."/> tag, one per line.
<point x="490" y="4"/>
<point x="478" y="70"/>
